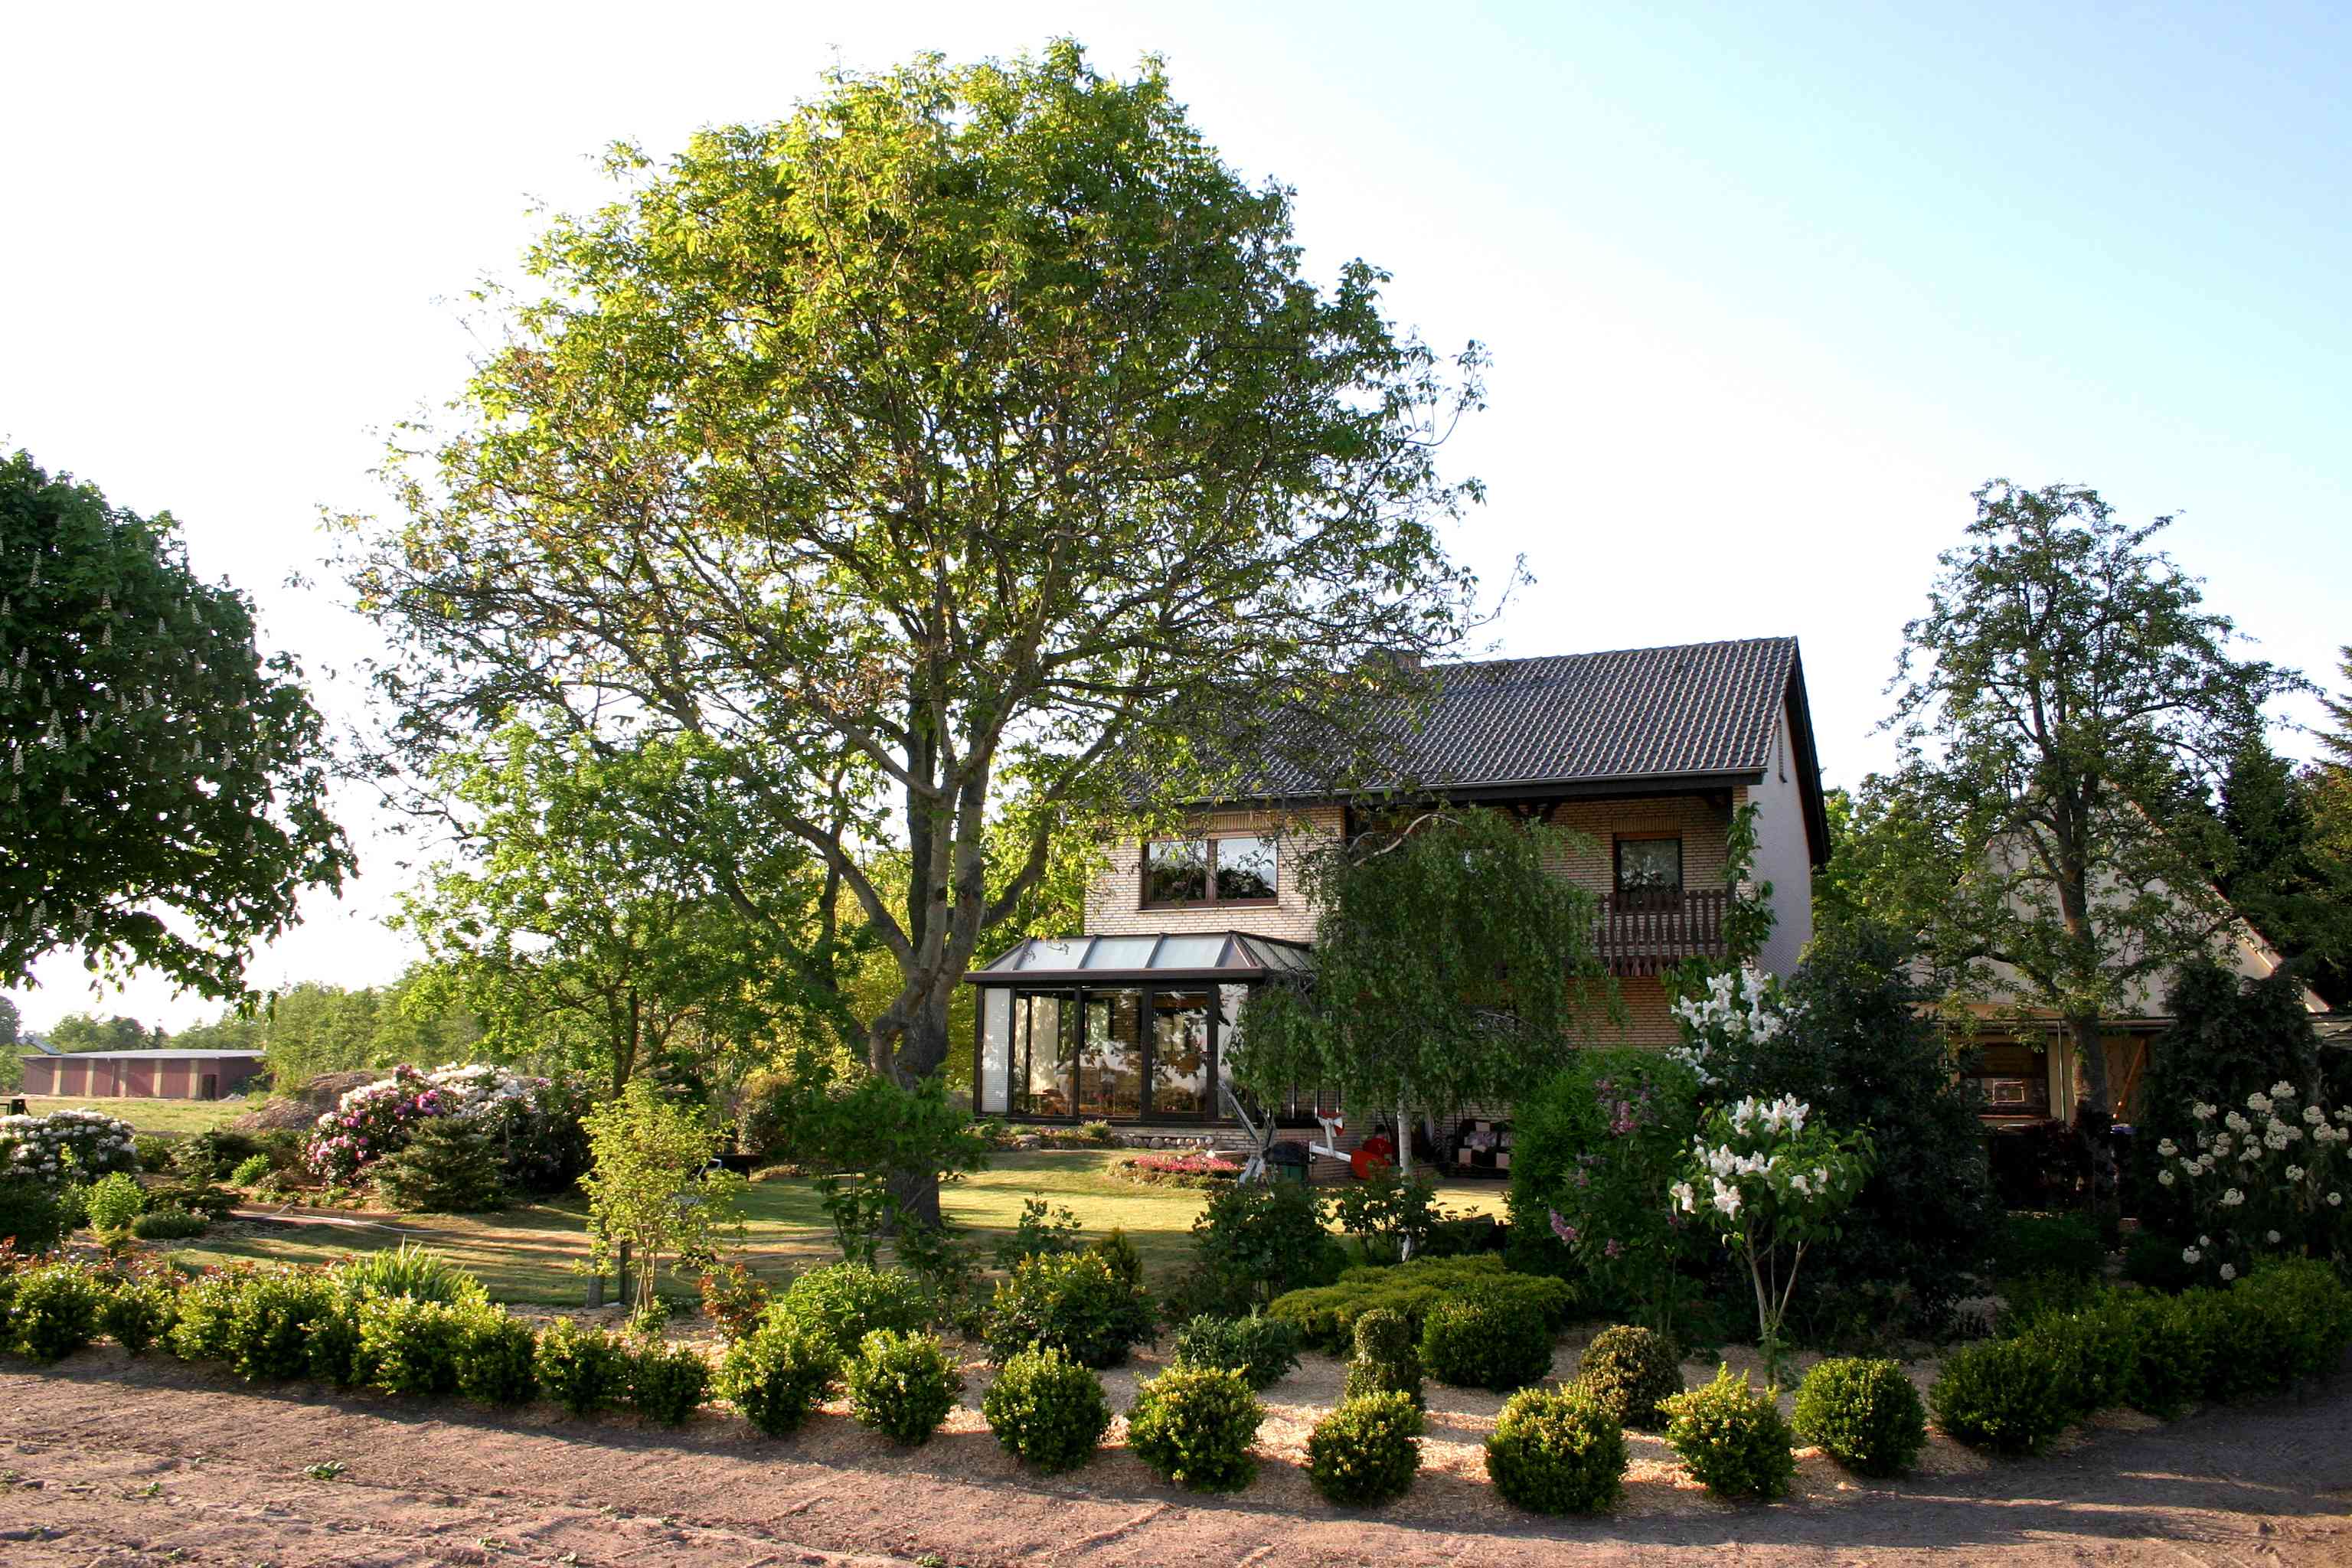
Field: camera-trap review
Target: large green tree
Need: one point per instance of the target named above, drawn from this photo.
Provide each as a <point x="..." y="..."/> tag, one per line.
<point x="2065" y="686"/>
<point x="2284" y="875"/>
<point x="163" y="798"/>
<point x="972" y="430"/>
<point x="88" y="1032"/>
<point x="12" y="1066"/>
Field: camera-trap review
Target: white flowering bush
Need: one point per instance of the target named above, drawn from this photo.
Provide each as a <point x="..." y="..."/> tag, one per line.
<point x="532" y="1124"/>
<point x="66" y="1146"/>
<point x="1732" y="1007"/>
<point x="1773" y="1180"/>
<point x="2268" y="1178"/>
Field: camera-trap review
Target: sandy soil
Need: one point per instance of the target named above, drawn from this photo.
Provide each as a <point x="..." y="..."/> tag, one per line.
<point x="107" y="1460"/>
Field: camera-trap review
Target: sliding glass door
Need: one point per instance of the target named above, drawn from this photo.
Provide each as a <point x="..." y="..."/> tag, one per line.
<point x="1117" y="1054"/>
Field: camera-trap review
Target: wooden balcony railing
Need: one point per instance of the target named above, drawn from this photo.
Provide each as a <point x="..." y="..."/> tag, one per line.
<point x="1645" y="933"/>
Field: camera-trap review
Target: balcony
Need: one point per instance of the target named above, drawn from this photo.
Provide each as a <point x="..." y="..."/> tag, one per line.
<point x="1649" y="932"/>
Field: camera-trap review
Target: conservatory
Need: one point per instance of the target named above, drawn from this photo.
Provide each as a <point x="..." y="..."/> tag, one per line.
<point x="1117" y="1028"/>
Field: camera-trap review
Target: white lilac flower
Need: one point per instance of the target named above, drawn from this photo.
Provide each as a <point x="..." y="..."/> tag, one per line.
<point x="2294" y="1172"/>
<point x="2204" y="1241"/>
<point x="2228" y="1271"/>
<point x="2283" y="1090"/>
<point x="2335" y="1200"/>
<point x="2201" y="1112"/>
<point x="2191" y="1255"/>
<point x="2312" y="1116"/>
<point x="2271" y="1236"/>
<point x="2164" y="1178"/>
<point x="1685" y="1198"/>
<point x="2236" y="1124"/>
<point x="2168" y="1148"/>
<point x="1727" y="1198"/>
<point x="2259" y="1104"/>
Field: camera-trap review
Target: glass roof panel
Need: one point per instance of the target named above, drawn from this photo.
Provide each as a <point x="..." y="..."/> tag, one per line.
<point x="1222" y="950"/>
<point x="1121" y="952"/>
<point x="1048" y="953"/>
<point x="1189" y="951"/>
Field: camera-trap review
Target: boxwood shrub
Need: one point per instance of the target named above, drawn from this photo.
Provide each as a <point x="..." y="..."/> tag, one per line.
<point x="666" y="1381"/>
<point x="903" y="1386"/>
<point x="1071" y="1301"/>
<point x="2312" y="1307"/>
<point x="583" y="1370"/>
<point x="1732" y="1438"/>
<point x="138" y="1312"/>
<point x="1263" y="1348"/>
<point x="779" y="1373"/>
<point x="2001" y="1394"/>
<point x="1366" y="1451"/>
<point x="1486" y="1339"/>
<point x="1386" y="1359"/>
<point x="170" y="1224"/>
<point x="844" y="1302"/>
<point x="413" y="1347"/>
<point x="499" y="1365"/>
<point x="1865" y="1415"/>
<point x="1194" y="1426"/>
<point x="54" y="1310"/>
<point x="1630" y="1371"/>
<point x="1326" y="1315"/>
<point x="1046" y="1409"/>
<point x="1558" y="1450"/>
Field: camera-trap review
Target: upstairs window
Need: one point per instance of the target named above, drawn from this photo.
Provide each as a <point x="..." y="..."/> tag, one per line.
<point x="1240" y="869"/>
<point x="1650" y="868"/>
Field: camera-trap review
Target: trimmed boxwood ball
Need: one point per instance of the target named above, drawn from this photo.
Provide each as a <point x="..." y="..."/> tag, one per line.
<point x="501" y="1360"/>
<point x="1863" y="1414"/>
<point x="1558" y="1450"/>
<point x="1386" y="1360"/>
<point x="1194" y="1426"/>
<point x="666" y="1381"/>
<point x="1072" y="1301"/>
<point x="583" y="1370"/>
<point x="413" y="1347"/>
<point x="1631" y="1371"/>
<point x="848" y="1301"/>
<point x="2313" y="1308"/>
<point x="136" y="1313"/>
<point x="1483" y="1338"/>
<point x="1262" y="1349"/>
<point x="1367" y="1451"/>
<point x="777" y="1373"/>
<point x="903" y="1386"/>
<point x="54" y="1311"/>
<point x="1046" y="1409"/>
<point x="2001" y="1394"/>
<point x="1732" y="1438"/>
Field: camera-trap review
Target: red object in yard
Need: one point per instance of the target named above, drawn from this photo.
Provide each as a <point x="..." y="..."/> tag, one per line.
<point x="1374" y="1153"/>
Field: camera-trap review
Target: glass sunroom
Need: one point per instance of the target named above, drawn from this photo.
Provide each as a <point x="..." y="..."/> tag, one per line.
<point x="1116" y="1028"/>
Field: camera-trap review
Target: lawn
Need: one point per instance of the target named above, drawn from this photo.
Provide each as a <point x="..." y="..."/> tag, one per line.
<point x="173" y="1116"/>
<point x="527" y="1254"/>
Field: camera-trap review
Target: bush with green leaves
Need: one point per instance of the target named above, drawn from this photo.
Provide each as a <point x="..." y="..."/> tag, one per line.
<point x="31" y="1218"/>
<point x="169" y="1225"/>
<point x="1116" y="1249"/>
<point x="583" y="1370"/>
<point x="416" y="1272"/>
<point x="2312" y="1306"/>
<point x="2007" y="1395"/>
<point x="154" y="1151"/>
<point x="206" y="1325"/>
<point x="209" y="1155"/>
<point x="902" y="1386"/>
<point x="1731" y="1437"/>
<point x="1486" y="1339"/>
<point x="251" y="1170"/>
<point x="1071" y="1302"/>
<point x="1194" y="1426"/>
<point x="448" y="1167"/>
<point x="1326" y="1315"/>
<point x="666" y="1381"/>
<point x="1632" y="1371"/>
<point x="1254" y="1241"/>
<point x="54" y="1310"/>
<point x="1046" y="1409"/>
<point x="113" y="1202"/>
<point x="2064" y="1244"/>
<point x="2243" y="1342"/>
<point x="779" y="1373"/>
<point x="272" y="1322"/>
<point x="2153" y="1259"/>
<point x="1367" y="1451"/>
<point x="138" y="1311"/>
<point x="1865" y="1415"/>
<point x="198" y="1198"/>
<point x="844" y="1302"/>
<point x="2027" y="1299"/>
<point x="2094" y="1351"/>
<point x="1557" y="1450"/>
<point x="2168" y="1372"/>
<point x="1263" y="1348"/>
<point x="1387" y="1358"/>
<point x="1043" y="1230"/>
<point x="1389" y="1215"/>
<point x="413" y="1347"/>
<point x="500" y="1364"/>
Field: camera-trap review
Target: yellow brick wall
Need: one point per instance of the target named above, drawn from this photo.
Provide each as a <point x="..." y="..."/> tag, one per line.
<point x="1705" y="828"/>
<point x="1114" y="900"/>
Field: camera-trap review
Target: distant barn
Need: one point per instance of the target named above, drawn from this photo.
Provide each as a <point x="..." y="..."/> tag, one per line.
<point x="159" y="1075"/>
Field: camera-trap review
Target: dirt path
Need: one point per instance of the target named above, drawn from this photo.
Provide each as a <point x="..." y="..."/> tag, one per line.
<point x="106" y="1460"/>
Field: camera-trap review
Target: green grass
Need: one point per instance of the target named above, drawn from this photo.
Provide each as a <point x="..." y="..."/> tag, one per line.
<point x="527" y="1254"/>
<point x="177" y="1116"/>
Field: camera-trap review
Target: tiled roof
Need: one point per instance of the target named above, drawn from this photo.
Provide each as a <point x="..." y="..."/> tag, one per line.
<point x="1698" y="709"/>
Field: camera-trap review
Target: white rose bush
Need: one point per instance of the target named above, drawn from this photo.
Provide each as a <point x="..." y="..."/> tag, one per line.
<point x="64" y="1147"/>
<point x="2264" y="1179"/>
<point x="1773" y="1180"/>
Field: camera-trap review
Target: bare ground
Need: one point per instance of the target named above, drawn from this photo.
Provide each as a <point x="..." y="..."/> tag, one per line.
<point x="106" y="1460"/>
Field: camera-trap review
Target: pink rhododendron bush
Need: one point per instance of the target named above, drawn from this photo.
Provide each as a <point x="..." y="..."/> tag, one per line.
<point x="532" y="1125"/>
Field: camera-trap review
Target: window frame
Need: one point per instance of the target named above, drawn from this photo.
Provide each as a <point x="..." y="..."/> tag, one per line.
<point x="1208" y="898"/>
<point x="1617" y="864"/>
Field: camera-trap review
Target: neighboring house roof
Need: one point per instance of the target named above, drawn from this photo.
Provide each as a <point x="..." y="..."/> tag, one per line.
<point x="1694" y="714"/>
<point x="153" y="1056"/>
<point x="42" y="1045"/>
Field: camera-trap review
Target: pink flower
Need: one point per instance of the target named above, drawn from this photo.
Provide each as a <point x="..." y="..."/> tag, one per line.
<point x="1562" y="1229"/>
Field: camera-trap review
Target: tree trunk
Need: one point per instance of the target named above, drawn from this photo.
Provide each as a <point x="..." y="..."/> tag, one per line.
<point x="921" y="1050"/>
<point x="2093" y="1115"/>
<point x="1403" y="1167"/>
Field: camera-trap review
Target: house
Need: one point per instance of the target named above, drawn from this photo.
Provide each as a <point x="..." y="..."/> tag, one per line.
<point x="156" y="1074"/>
<point x="1646" y="753"/>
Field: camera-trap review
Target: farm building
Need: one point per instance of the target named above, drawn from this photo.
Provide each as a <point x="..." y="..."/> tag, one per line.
<point x="159" y="1074"/>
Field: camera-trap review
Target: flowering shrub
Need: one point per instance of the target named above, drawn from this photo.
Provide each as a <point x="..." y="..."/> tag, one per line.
<point x="533" y="1124"/>
<point x="67" y="1145"/>
<point x="1727" y="1012"/>
<point x="2265" y="1180"/>
<point x="1768" y="1177"/>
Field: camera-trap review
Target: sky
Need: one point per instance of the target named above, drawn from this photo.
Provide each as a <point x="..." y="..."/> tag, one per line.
<point x="1769" y="289"/>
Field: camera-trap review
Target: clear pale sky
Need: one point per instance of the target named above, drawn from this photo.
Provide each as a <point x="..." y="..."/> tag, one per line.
<point x="1769" y="288"/>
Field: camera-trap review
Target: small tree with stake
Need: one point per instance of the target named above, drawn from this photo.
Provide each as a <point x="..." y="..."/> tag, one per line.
<point x="648" y="1193"/>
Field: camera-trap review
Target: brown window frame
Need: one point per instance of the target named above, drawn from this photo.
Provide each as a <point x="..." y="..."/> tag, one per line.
<point x="1208" y="875"/>
<point x="1617" y="862"/>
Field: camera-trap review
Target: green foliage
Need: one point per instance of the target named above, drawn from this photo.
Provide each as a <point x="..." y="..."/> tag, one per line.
<point x="1326" y="1315"/>
<point x="1730" y="1436"/>
<point x="583" y="1370"/>
<point x="251" y="1170"/>
<point x="902" y="1386"/>
<point x="2170" y="1371"/>
<point x="206" y="1327"/>
<point x="2027" y="1245"/>
<point x="1262" y="1349"/>
<point x="1256" y="1240"/>
<point x="778" y="1373"/>
<point x="1449" y="964"/>
<point x="648" y="1189"/>
<point x="1071" y="1302"/>
<point x="1119" y="1251"/>
<point x="666" y="1381"/>
<point x="2312" y="1308"/>
<point x="113" y="1202"/>
<point x="1632" y="1371"/>
<point x="1388" y="1213"/>
<point x="1485" y="1338"/>
<point x="844" y="1302"/>
<point x="1863" y="1414"/>
<point x="142" y="716"/>
<point x="733" y="1297"/>
<point x="2153" y="1259"/>
<point x="2026" y="1301"/>
<point x="1194" y="1426"/>
<point x="1387" y="1358"/>
<point x="1557" y="1450"/>
<point x="863" y="1138"/>
<point x="54" y="1310"/>
<point x="445" y="1167"/>
<point x="2003" y="1395"/>
<point x="1043" y="1230"/>
<point x="139" y="1311"/>
<point x="500" y="1364"/>
<point x="1046" y="1409"/>
<point x="209" y="1203"/>
<point x="2291" y="870"/>
<point x="31" y="1218"/>
<point x="260" y="1321"/>
<point x="2094" y="1352"/>
<point x="1367" y="1451"/>
<point x="416" y="1272"/>
<point x="207" y="1156"/>
<point x="154" y="1151"/>
<point x="413" y="1347"/>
